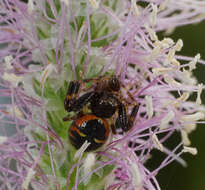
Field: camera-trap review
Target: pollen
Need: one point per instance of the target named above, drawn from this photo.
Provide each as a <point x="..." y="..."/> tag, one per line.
<point x="199" y="91"/>
<point x="15" y="110"/>
<point x="154" y="15"/>
<point x="175" y="63"/>
<point x="81" y="150"/>
<point x="185" y="138"/>
<point x="151" y="33"/>
<point x="179" y="45"/>
<point x="8" y="61"/>
<point x="3" y="139"/>
<point x="157" y="142"/>
<point x="89" y="163"/>
<point x="173" y="50"/>
<point x="154" y="54"/>
<point x="12" y="78"/>
<point x="137" y="179"/>
<point x="171" y="81"/>
<point x="135" y="9"/>
<point x="182" y="98"/>
<point x="165" y="43"/>
<point x="161" y="70"/>
<point x="30" y="6"/>
<point x="47" y="72"/>
<point x="66" y="2"/>
<point x="149" y="106"/>
<point x="191" y="150"/>
<point x="192" y="64"/>
<point x="190" y="127"/>
<point x="163" y="5"/>
<point x="28" y="178"/>
<point x="94" y="3"/>
<point x="186" y="77"/>
<point x="164" y="122"/>
<point x="170" y="56"/>
<point x="193" y="117"/>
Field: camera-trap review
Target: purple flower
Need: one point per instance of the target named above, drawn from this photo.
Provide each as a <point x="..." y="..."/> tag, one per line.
<point x="46" y="44"/>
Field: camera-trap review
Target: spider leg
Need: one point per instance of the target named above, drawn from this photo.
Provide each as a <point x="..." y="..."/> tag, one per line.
<point x="127" y="89"/>
<point x="79" y="103"/>
<point x="71" y="94"/>
<point x="128" y="92"/>
<point x="68" y="117"/>
<point x="93" y="79"/>
<point x="133" y="115"/>
<point x="72" y="102"/>
<point x="124" y="121"/>
<point x="113" y="127"/>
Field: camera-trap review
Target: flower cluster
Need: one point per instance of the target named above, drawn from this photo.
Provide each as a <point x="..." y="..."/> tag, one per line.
<point x="44" y="44"/>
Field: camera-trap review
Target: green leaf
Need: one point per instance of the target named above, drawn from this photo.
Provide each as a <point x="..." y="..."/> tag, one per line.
<point x="49" y="11"/>
<point x="48" y="91"/>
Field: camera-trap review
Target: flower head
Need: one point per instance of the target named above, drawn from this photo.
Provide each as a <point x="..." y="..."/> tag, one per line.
<point x="46" y="44"/>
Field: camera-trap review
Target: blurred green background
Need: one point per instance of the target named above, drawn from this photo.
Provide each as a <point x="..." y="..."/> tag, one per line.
<point x="175" y="176"/>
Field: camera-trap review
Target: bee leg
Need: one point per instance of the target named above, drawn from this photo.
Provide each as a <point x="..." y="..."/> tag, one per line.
<point x="133" y="115"/>
<point x="121" y="121"/>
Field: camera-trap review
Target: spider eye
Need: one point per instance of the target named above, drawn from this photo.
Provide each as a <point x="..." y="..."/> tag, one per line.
<point x="114" y="83"/>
